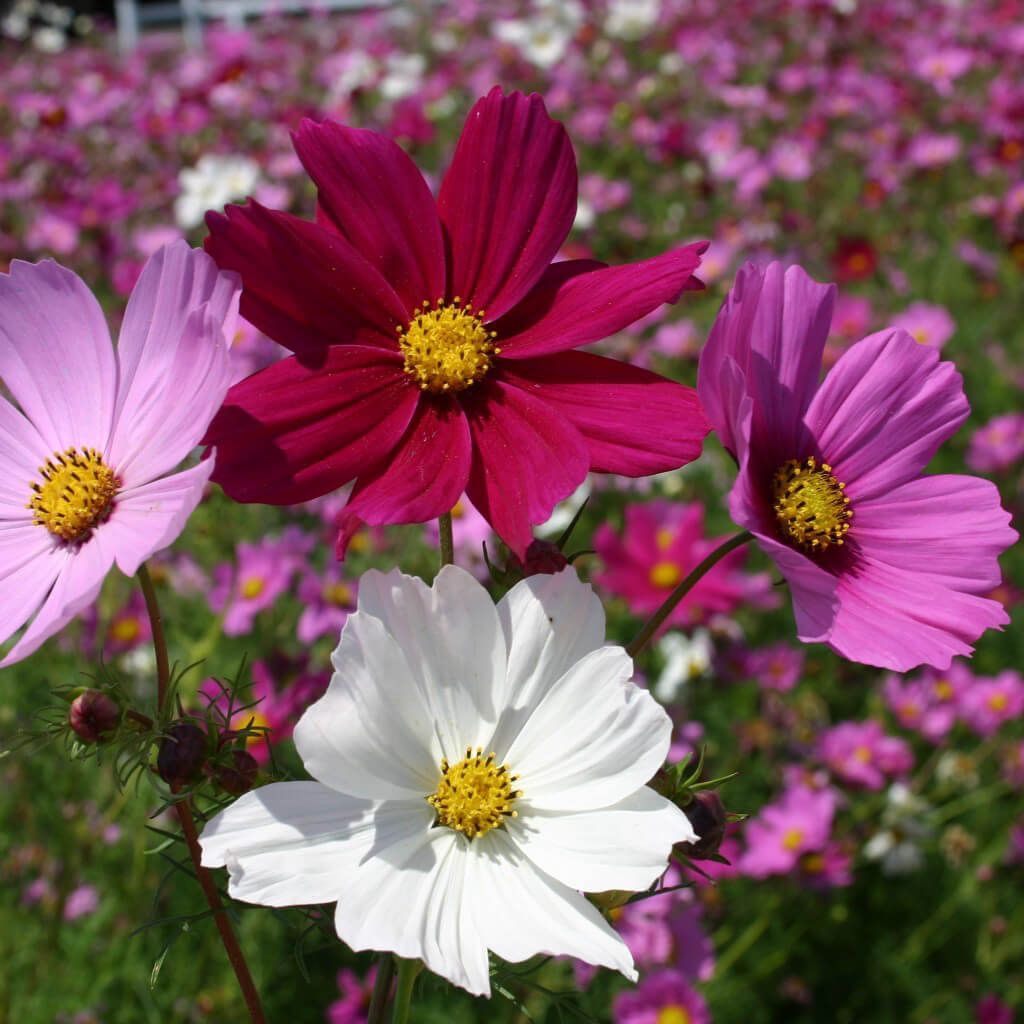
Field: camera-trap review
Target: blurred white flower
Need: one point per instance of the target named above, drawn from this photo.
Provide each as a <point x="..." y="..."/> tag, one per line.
<point x="213" y="182"/>
<point x="403" y="75"/>
<point x="631" y="19"/>
<point x="898" y="845"/>
<point x="686" y="658"/>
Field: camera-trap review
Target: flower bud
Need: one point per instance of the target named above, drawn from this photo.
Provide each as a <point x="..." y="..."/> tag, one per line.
<point x="543" y="557"/>
<point x="94" y="716"/>
<point x="182" y="753"/>
<point x="707" y="815"/>
<point x="238" y="774"/>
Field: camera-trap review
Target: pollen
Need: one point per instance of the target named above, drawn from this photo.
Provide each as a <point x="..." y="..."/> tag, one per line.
<point x="792" y="838"/>
<point x="664" y="575"/>
<point x="810" y="505"/>
<point x="474" y="795"/>
<point x="447" y="348"/>
<point x="75" y="494"/>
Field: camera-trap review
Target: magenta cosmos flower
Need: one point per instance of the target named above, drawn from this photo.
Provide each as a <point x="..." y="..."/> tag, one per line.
<point x="87" y="459"/>
<point x="885" y="565"/>
<point x="433" y="338"/>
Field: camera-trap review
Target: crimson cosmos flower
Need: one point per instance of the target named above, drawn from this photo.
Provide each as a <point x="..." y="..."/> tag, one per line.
<point x="433" y="338"/>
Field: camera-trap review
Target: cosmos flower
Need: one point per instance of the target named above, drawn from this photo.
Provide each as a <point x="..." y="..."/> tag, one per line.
<point x="477" y="767"/>
<point x="88" y="452"/>
<point x="885" y="565"/>
<point x="861" y="754"/>
<point x="433" y="338"/>
<point x="665" y="997"/>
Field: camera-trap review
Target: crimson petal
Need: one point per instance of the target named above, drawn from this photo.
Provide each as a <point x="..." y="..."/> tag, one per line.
<point x="634" y="422"/>
<point x="291" y="433"/>
<point x="508" y="200"/>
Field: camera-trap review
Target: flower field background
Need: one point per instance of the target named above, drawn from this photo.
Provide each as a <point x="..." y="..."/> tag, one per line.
<point x="878" y="873"/>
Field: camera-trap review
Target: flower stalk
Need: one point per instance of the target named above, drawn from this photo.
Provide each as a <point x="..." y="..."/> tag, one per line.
<point x="637" y="644"/>
<point x="408" y="970"/>
<point x="444" y="526"/>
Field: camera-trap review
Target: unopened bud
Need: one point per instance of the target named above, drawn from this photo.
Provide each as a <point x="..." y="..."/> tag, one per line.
<point x="238" y="774"/>
<point x="182" y="753"/>
<point x="708" y="817"/>
<point x="94" y="716"/>
<point x="543" y="557"/>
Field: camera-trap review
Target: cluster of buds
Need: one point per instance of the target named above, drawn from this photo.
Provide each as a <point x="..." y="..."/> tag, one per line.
<point x="190" y="750"/>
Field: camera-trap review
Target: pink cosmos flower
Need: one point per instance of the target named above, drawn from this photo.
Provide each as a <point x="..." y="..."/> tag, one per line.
<point x="884" y="565"/>
<point x="997" y="445"/>
<point x="861" y="754"/>
<point x="356" y="993"/>
<point x="327" y="600"/>
<point x="990" y="703"/>
<point x="926" y="324"/>
<point x="929" y="702"/>
<point x="662" y="541"/>
<point x="798" y="823"/>
<point x="778" y="667"/>
<point x="433" y="338"/>
<point x="662" y="997"/>
<point x="992" y="1010"/>
<point x="89" y="451"/>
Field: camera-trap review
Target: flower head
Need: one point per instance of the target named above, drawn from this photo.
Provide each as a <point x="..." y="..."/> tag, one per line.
<point x="433" y="338"/>
<point x="88" y="452"/>
<point x="477" y="767"/>
<point x="887" y="566"/>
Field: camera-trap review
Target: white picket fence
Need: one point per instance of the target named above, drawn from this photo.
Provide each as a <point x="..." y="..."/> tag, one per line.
<point x="132" y="17"/>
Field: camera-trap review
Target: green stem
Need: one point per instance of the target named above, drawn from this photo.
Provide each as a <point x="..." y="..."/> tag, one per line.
<point x="407" y="972"/>
<point x="444" y="525"/>
<point x="640" y="641"/>
<point x="381" y="989"/>
<point x="163" y="669"/>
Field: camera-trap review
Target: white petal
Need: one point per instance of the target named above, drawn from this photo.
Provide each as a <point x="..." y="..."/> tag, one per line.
<point x="292" y="843"/>
<point x="454" y="644"/>
<point x="519" y="911"/>
<point x="550" y="622"/>
<point x="412" y="900"/>
<point x="371" y="733"/>
<point x="625" y="846"/>
<point x="595" y="739"/>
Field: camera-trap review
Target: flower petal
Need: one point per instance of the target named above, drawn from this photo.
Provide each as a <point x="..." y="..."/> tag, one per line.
<point x="577" y="302"/>
<point x="526" y="458"/>
<point x="921" y="559"/>
<point x="593" y="740"/>
<point x="294" y="843"/>
<point x="507" y="201"/>
<point x="882" y="412"/>
<point x="149" y="518"/>
<point x="291" y="433"/>
<point x="23" y="453"/>
<point x="773" y="324"/>
<point x="374" y="196"/>
<point x="453" y="642"/>
<point x="173" y="360"/>
<point x="550" y="622"/>
<point x="305" y="286"/>
<point x="624" y="846"/>
<point x="520" y="911"/>
<point x="30" y="562"/>
<point x="634" y="422"/>
<point x="422" y="478"/>
<point x="412" y="899"/>
<point x="56" y="357"/>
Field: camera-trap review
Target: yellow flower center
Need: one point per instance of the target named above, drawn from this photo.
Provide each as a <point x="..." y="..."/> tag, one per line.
<point x="447" y="348"/>
<point x="998" y="702"/>
<point x="862" y="754"/>
<point x="474" y="795"/>
<point x="944" y="689"/>
<point x="813" y="863"/>
<point x="673" y="1014"/>
<point x="125" y="631"/>
<point x="76" y="493"/>
<point x="256" y="721"/>
<point x="664" y="537"/>
<point x="810" y="505"/>
<point x="792" y="838"/>
<point x="338" y="594"/>
<point x="664" y="575"/>
<point x="252" y="587"/>
<point x="920" y="335"/>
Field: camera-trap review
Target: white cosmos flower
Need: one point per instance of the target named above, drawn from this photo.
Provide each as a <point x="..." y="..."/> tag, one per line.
<point x="433" y="848"/>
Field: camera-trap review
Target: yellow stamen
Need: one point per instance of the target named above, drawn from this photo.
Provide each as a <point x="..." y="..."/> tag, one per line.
<point x="252" y="587"/>
<point x="673" y="1014"/>
<point x="474" y="795"/>
<point x="810" y="505"/>
<point x="792" y="838"/>
<point x="664" y="575"/>
<point x="338" y="594"/>
<point x="75" y="495"/>
<point x="447" y="348"/>
<point x="125" y="631"/>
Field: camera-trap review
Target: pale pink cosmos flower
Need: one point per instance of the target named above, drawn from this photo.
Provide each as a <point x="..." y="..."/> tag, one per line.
<point x="998" y="444"/>
<point x="992" y="702"/>
<point x="797" y="824"/>
<point x="926" y="324"/>
<point x="89" y="451"/>
<point x="859" y="753"/>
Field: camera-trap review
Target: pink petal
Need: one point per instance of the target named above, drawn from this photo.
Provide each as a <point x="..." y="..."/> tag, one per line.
<point x="172" y="398"/>
<point x="634" y="422"/>
<point x="149" y="518"/>
<point x="507" y="201"/>
<point x="773" y="324"/>
<point x="55" y="355"/>
<point x="80" y="574"/>
<point x="527" y="457"/>
<point x="421" y="479"/>
<point x="22" y="454"/>
<point x="573" y="305"/>
<point x="376" y="198"/>
<point x="882" y="412"/>
<point x="304" y="285"/>
<point x="30" y="561"/>
<point x="291" y="433"/>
